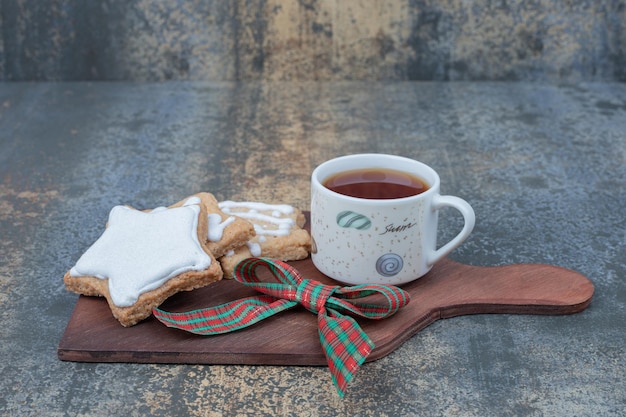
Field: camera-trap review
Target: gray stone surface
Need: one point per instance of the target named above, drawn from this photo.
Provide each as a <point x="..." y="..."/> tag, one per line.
<point x="543" y="166"/>
<point x="143" y="40"/>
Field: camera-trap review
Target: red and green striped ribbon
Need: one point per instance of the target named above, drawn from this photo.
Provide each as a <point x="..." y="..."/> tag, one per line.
<point x="345" y="344"/>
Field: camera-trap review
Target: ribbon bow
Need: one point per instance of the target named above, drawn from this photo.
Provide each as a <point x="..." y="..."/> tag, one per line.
<point x="345" y="344"/>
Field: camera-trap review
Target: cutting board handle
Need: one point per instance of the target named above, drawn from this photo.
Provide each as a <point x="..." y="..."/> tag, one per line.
<point x="456" y="289"/>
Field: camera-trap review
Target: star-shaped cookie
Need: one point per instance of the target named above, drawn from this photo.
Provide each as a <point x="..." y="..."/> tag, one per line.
<point x="142" y="258"/>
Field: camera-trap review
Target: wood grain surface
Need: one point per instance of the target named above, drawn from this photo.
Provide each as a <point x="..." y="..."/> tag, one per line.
<point x="290" y="338"/>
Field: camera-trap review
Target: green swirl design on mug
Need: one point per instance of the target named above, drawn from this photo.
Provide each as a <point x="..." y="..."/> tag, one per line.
<point x="354" y="220"/>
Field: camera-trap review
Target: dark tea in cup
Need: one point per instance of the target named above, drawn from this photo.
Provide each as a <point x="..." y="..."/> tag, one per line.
<point x="376" y="184"/>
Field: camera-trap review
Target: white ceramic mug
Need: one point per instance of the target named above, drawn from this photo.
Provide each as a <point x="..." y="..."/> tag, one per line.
<point x="390" y="241"/>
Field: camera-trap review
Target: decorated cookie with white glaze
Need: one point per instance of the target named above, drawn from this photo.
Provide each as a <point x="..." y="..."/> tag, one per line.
<point x="144" y="257"/>
<point x="278" y="233"/>
<point x="225" y="232"/>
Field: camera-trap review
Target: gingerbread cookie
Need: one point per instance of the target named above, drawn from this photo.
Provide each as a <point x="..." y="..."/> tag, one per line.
<point x="279" y="233"/>
<point x="142" y="258"/>
<point x="225" y="232"/>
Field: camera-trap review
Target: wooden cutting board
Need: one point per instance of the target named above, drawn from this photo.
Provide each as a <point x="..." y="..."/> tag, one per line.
<point x="290" y="338"/>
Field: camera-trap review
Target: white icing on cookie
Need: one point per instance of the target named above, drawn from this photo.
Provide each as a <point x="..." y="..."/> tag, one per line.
<point x="254" y="248"/>
<point x="195" y="200"/>
<point x="138" y="251"/>
<point x="253" y="215"/>
<point x="267" y="219"/>
<point x="277" y="209"/>
<point x="217" y="226"/>
<point x="280" y="222"/>
<point x="283" y="224"/>
<point x="282" y="230"/>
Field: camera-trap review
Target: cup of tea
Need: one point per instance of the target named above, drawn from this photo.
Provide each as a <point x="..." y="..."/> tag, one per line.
<point x="374" y="219"/>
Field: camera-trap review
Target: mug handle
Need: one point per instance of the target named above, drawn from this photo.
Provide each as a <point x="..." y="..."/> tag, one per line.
<point x="440" y="201"/>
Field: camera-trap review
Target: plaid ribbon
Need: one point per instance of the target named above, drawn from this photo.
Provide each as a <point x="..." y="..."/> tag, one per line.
<point x="345" y="344"/>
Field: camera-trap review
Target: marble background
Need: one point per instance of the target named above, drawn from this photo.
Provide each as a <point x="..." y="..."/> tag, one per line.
<point x="240" y="40"/>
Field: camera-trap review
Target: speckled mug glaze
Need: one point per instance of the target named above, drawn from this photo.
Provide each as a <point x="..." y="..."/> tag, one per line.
<point x="369" y="241"/>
